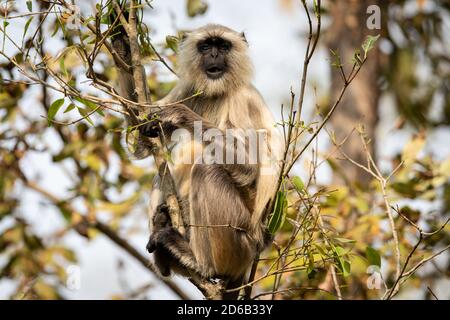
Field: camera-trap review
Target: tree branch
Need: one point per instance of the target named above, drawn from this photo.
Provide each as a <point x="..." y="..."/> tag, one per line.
<point x="127" y="44"/>
<point x="128" y="47"/>
<point x="110" y="233"/>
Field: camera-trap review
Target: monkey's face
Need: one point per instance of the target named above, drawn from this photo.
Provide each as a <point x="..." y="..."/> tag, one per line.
<point x="214" y="60"/>
<point x="214" y="51"/>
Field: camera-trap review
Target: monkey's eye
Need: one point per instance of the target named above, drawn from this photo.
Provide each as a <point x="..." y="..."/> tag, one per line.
<point x="203" y="47"/>
<point x="225" y="46"/>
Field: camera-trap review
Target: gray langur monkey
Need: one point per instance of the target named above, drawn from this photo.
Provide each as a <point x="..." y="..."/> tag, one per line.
<point x="224" y="203"/>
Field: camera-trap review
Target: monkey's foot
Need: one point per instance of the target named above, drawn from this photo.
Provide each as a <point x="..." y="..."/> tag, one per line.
<point x="163" y="259"/>
<point x="151" y="245"/>
<point x="161" y="218"/>
<point x="158" y="238"/>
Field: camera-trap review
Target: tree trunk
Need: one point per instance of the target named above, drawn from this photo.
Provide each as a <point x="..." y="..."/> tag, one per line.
<point x="359" y="106"/>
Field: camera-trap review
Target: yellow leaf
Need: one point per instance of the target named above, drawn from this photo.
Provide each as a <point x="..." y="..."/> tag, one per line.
<point x="93" y="162"/>
<point x="444" y="169"/>
<point x="412" y="149"/>
<point x="44" y="291"/>
<point x="120" y="208"/>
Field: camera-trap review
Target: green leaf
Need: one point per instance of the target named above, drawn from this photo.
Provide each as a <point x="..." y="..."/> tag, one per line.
<point x="357" y="57"/>
<point x="5" y="24"/>
<point x="88" y="20"/>
<point x="57" y="26"/>
<point x="69" y="108"/>
<point x="298" y="184"/>
<point x="343" y="240"/>
<point x="311" y="273"/>
<point x="27" y="25"/>
<point x="84" y="113"/>
<point x="336" y="61"/>
<point x="279" y="213"/>
<point x="344" y="265"/>
<point x="373" y="256"/>
<point x="172" y="43"/>
<point x="105" y="16"/>
<point x="369" y="44"/>
<point x="310" y="270"/>
<point x="62" y="66"/>
<point x="346" y="268"/>
<point x="67" y="214"/>
<point x="30" y="5"/>
<point x="322" y="251"/>
<point x="90" y="105"/>
<point x="55" y="106"/>
<point x="316" y="8"/>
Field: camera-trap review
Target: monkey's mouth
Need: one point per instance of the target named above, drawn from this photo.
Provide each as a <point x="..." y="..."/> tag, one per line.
<point x="215" y="71"/>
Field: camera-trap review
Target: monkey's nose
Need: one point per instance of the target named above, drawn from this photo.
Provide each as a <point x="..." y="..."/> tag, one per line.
<point x="214" y="52"/>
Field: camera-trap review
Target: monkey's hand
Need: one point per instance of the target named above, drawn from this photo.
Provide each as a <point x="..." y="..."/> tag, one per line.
<point x="158" y="121"/>
<point x="161" y="218"/>
<point x="151" y="126"/>
<point x="170" y="118"/>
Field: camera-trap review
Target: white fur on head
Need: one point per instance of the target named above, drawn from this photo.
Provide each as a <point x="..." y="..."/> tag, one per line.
<point x="239" y="70"/>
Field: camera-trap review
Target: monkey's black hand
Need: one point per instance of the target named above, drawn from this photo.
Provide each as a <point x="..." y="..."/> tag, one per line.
<point x="166" y="120"/>
<point x="161" y="218"/>
<point x="151" y="127"/>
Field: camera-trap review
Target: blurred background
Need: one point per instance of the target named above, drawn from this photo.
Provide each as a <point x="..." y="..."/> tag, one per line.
<point x="50" y="176"/>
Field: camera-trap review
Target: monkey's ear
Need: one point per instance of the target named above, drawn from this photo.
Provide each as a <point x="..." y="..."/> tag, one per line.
<point x="243" y="37"/>
<point x="183" y="36"/>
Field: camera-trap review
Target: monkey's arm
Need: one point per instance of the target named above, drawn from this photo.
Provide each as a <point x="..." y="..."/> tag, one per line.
<point x="171" y="118"/>
<point x="179" y="116"/>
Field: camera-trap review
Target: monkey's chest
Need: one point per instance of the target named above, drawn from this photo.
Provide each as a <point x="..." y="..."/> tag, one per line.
<point x="205" y="150"/>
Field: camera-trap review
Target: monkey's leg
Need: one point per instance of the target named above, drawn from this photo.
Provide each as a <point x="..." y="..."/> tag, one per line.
<point x="163" y="260"/>
<point x="171" y="243"/>
<point x="221" y="233"/>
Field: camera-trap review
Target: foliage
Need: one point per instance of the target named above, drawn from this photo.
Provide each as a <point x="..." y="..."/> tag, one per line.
<point x="418" y="39"/>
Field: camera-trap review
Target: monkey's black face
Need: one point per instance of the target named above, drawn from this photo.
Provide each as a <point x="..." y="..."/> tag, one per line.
<point x="214" y="51"/>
